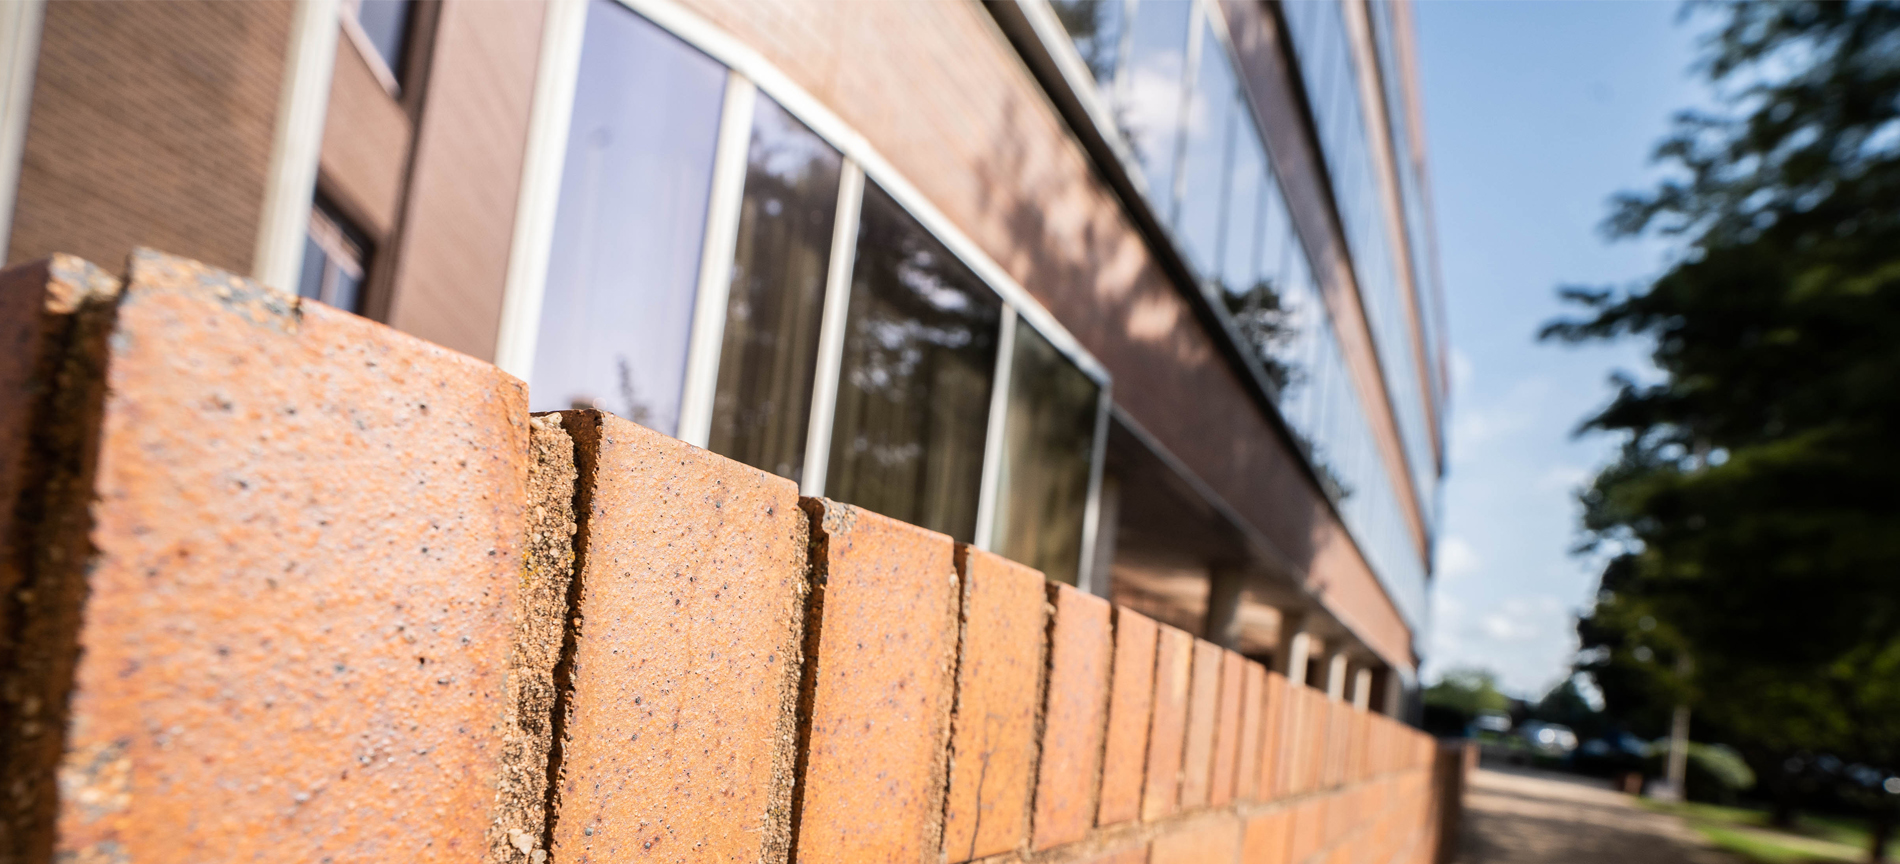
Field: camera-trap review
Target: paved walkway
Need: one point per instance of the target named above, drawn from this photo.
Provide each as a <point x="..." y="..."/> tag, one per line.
<point x="1518" y="816"/>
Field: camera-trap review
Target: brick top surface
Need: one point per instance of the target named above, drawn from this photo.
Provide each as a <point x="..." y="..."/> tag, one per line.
<point x="879" y="686"/>
<point x="692" y="584"/>
<point x="306" y="537"/>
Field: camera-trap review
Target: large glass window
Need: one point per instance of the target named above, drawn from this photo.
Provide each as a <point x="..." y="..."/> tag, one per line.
<point x="1205" y="126"/>
<point x="767" y="362"/>
<point x="1048" y="445"/>
<point x="1149" y="103"/>
<point x="384" y="24"/>
<point x="914" y="387"/>
<point x="618" y="305"/>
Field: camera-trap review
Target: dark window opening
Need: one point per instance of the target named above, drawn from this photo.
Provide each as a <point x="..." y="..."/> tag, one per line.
<point x="335" y="259"/>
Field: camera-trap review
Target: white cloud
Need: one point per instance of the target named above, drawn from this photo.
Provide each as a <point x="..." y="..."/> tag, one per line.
<point x="1456" y="558"/>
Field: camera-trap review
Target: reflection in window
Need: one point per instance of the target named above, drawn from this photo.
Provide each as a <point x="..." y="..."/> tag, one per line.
<point x="621" y="274"/>
<point x="1096" y="27"/>
<point x="1048" y="441"/>
<point x="914" y="387"/>
<point x="1211" y="109"/>
<point x="334" y="259"/>
<point x="1149" y="103"/>
<point x="770" y="353"/>
<point x="1241" y="266"/>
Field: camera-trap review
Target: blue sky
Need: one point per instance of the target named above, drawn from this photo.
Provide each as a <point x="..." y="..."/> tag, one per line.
<point x="1536" y="113"/>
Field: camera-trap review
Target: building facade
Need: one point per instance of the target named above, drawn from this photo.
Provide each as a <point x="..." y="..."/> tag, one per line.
<point x="1141" y="293"/>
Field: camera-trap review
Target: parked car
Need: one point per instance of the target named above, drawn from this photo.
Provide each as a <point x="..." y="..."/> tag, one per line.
<point x="1549" y="739"/>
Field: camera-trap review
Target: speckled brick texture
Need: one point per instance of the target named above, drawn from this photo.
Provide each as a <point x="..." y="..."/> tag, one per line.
<point x="1080" y="642"/>
<point x="1197" y="755"/>
<point x="303" y="566"/>
<point x="993" y="729"/>
<point x="881" y="643"/>
<point x="680" y="732"/>
<point x="1167" y="731"/>
<point x="1130" y="707"/>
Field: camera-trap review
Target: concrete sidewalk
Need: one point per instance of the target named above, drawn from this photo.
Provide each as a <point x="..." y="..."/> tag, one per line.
<point x="1519" y="816"/>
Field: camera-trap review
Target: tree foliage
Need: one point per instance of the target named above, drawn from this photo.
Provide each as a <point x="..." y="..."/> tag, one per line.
<point x="1751" y="520"/>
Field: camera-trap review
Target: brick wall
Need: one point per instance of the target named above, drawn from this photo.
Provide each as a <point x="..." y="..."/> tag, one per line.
<point x="289" y="585"/>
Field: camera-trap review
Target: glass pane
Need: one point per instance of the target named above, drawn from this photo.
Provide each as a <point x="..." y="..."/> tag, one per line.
<point x="1150" y="105"/>
<point x="315" y="264"/>
<point x="619" y="301"/>
<point x="1207" y="125"/>
<point x="1048" y="443"/>
<point x="770" y="353"/>
<point x="1240" y="236"/>
<point x="1096" y="28"/>
<point x="386" y="23"/>
<point x="914" y="389"/>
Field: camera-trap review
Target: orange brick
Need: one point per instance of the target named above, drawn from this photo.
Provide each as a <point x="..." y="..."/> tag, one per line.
<point x="1167" y="732"/>
<point x="1340" y="813"/>
<point x="299" y="585"/>
<point x="881" y="643"/>
<point x="1338" y="719"/>
<point x="1233" y="669"/>
<point x="682" y="718"/>
<point x="1136" y="854"/>
<point x="1252" y="726"/>
<point x="1304" y="837"/>
<point x="1210" y="839"/>
<point x="1130" y="706"/>
<point x="1073" y="718"/>
<point x="1272" y="734"/>
<point x="993" y="729"/>
<point x="1265" y="839"/>
<point x="1197" y="758"/>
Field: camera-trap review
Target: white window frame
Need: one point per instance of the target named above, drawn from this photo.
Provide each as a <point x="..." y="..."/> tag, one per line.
<point x="751" y="74"/>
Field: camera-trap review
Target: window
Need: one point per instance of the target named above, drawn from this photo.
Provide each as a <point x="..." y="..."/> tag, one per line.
<point x="914" y="388"/>
<point x="1206" y="124"/>
<point x="1097" y="27"/>
<point x="617" y="308"/>
<point x="381" y="27"/>
<point x="1148" y="106"/>
<point x="334" y="259"/>
<point x="1048" y="448"/>
<point x="769" y="357"/>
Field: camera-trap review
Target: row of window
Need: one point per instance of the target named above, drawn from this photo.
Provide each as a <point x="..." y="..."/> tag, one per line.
<point x="873" y="379"/>
<point x="1411" y="191"/>
<point x="1165" y="72"/>
<point x="1324" y="50"/>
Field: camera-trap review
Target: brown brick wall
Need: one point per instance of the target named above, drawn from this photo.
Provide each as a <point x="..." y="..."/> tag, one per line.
<point x="304" y="587"/>
<point x="151" y="124"/>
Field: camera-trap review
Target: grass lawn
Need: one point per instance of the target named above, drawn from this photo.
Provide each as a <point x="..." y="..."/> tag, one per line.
<point x="1746" y="832"/>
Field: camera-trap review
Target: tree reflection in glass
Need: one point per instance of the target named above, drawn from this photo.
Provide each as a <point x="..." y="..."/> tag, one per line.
<point x="769" y="356"/>
<point x="1096" y="28"/>
<point x="914" y="387"/>
<point x="1048" y="442"/>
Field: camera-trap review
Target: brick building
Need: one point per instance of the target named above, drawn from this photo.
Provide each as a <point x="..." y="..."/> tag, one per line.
<point x="1140" y="293"/>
